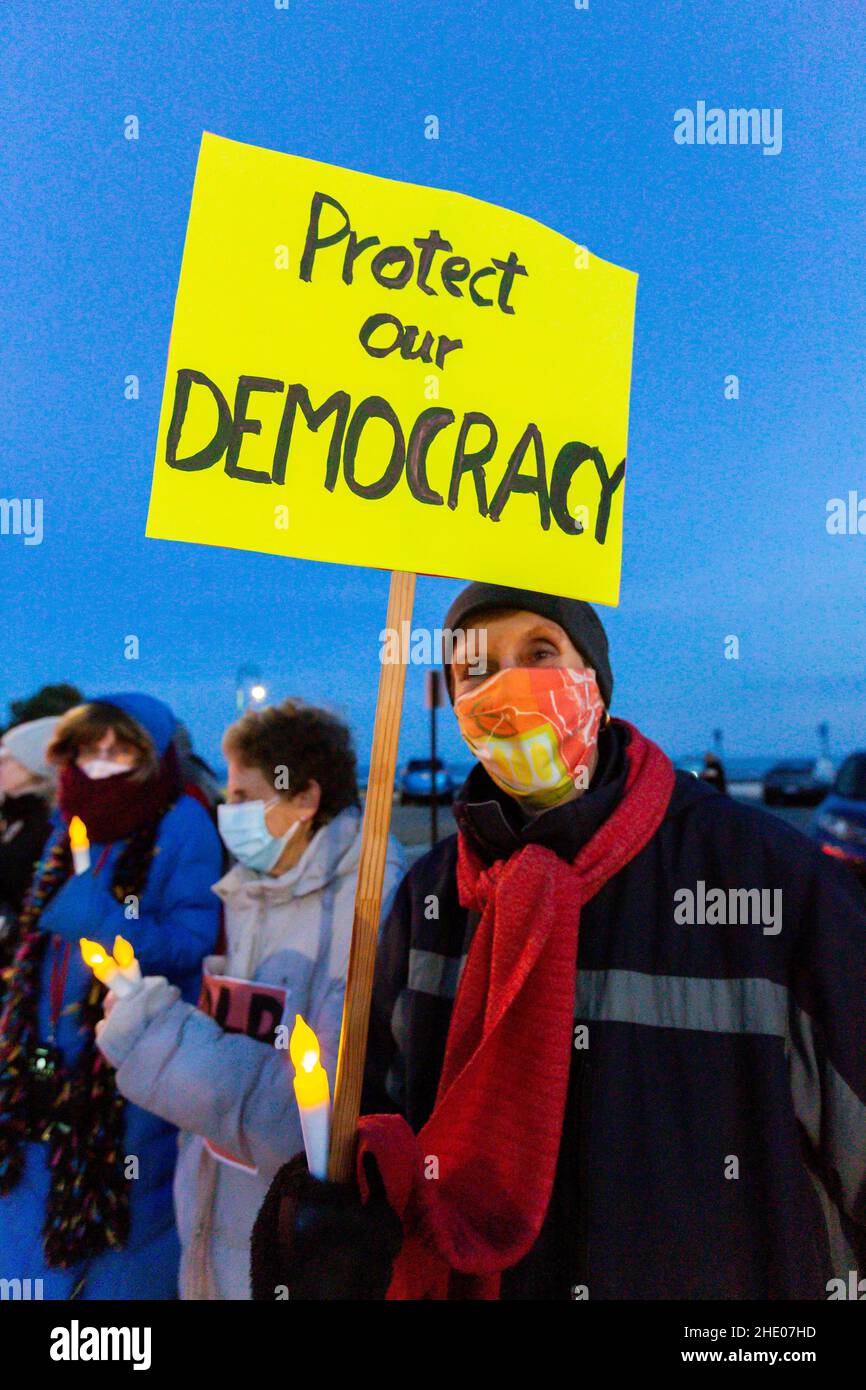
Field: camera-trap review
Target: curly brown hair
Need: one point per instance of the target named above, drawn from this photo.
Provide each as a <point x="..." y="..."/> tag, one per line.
<point x="309" y="743"/>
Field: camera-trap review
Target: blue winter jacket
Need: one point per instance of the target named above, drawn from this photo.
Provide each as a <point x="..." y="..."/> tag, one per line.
<point x="177" y="925"/>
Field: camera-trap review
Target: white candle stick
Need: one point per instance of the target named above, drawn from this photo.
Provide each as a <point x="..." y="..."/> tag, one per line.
<point x="80" y="845"/>
<point x="316" y="1129"/>
<point x="120" y="985"/>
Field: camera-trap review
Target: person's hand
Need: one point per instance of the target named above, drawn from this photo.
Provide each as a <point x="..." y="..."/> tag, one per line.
<point x="318" y="1240"/>
<point x="125" y="1019"/>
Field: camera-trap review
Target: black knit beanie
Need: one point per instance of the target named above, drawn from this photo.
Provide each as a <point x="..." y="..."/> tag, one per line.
<point x="575" y="617"/>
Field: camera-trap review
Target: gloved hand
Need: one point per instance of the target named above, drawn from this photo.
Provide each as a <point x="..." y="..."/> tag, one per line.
<point x="318" y="1240"/>
<point x="125" y="1020"/>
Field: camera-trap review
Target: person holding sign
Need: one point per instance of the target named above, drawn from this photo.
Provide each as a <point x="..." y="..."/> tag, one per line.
<point x="85" y="1195"/>
<point x="222" y="1072"/>
<point x="601" y="1064"/>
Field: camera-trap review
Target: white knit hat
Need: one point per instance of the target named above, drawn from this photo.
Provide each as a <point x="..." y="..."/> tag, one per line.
<point x="27" y="744"/>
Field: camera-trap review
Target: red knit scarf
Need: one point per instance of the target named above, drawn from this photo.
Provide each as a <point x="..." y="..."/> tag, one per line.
<point x="113" y="807"/>
<point x="473" y="1186"/>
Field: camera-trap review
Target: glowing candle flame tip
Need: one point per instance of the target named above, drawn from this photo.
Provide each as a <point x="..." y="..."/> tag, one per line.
<point x="122" y="952"/>
<point x="78" y="834"/>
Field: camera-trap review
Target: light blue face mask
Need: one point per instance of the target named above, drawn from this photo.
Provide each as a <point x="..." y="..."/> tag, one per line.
<point x="245" y="834"/>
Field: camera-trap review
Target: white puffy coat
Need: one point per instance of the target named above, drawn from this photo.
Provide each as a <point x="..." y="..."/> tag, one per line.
<point x="293" y="931"/>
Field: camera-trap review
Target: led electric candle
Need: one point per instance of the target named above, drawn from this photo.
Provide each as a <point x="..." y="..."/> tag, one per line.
<point x="313" y="1096"/>
<point x="106" y="969"/>
<point x="79" y="844"/>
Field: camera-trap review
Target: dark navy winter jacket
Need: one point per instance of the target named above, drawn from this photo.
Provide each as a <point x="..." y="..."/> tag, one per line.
<point x="714" y="1143"/>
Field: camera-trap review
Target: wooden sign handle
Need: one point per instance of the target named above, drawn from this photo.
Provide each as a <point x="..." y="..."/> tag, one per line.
<point x="368" y="895"/>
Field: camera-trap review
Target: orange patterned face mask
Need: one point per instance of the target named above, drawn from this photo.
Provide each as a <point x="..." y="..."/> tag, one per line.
<point x="534" y="730"/>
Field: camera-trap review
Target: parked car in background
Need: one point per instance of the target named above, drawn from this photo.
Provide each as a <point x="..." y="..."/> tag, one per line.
<point x="421" y="780"/>
<point x="839" y="824"/>
<point x="798" y="782"/>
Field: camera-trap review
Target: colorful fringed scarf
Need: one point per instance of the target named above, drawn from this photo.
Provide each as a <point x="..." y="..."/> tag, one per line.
<point x="88" y="1204"/>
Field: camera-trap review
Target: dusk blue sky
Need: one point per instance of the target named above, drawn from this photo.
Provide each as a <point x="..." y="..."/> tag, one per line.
<point x="749" y="264"/>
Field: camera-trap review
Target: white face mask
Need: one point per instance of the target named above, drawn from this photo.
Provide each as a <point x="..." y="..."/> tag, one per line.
<point x="97" y="768"/>
<point x="245" y="834"/>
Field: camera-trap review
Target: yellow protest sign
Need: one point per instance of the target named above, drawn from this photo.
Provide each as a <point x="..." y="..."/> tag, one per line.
<point x="377" y="373"/>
